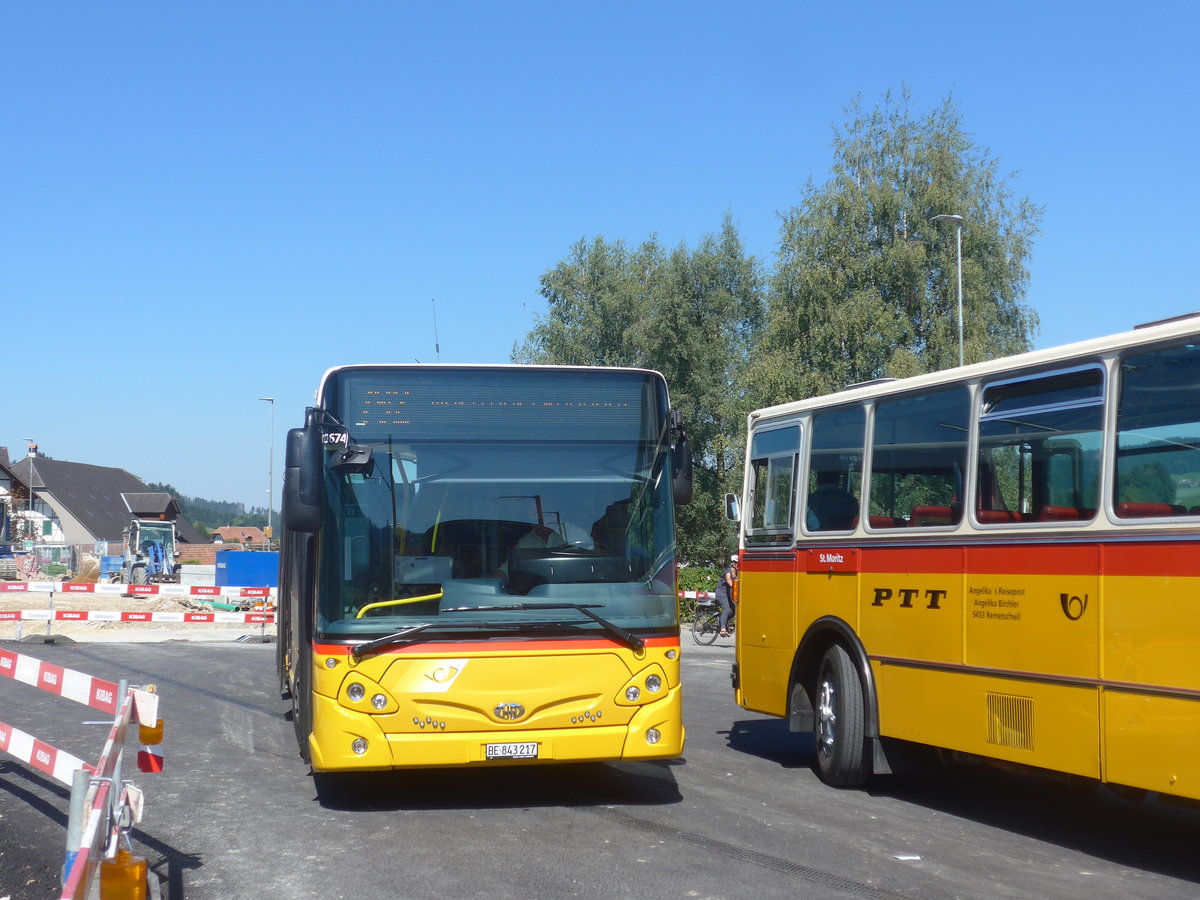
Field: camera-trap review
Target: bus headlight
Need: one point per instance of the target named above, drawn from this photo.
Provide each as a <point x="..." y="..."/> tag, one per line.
<point x="362" y="694"/>
<point x="644" y="687"/>
<point x="359" y="746"/>
<point x="653" y="736"/>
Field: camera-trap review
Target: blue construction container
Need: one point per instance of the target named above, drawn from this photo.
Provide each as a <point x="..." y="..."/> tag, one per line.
<point x="247" y="568"/>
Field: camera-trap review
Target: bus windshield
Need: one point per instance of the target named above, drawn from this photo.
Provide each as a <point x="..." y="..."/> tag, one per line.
<point x="497" y="506"/>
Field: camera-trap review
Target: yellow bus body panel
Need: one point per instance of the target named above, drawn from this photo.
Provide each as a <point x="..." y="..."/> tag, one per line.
<point x="1152" y="743"/>
<point x="1061" y="666"/>
<point x="766" y="639"/>
<point x="1050" y="726"/>
<point x="444" y="709"/>
<point x="1152" y="637"/>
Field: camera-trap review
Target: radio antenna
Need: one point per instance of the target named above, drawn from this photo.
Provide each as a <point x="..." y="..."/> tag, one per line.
<point x="437" y="348"/>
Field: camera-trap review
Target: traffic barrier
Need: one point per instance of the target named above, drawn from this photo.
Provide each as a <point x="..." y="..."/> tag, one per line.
<point x="103" y="805"/>
<point x="113" y="615"/>
<point x="262" y="600"/>
<point x="138" y="590"/>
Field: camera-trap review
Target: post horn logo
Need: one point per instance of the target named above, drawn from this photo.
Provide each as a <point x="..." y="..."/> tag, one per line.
<point x="509" y="712"/>
<point x="1073" y="607"/>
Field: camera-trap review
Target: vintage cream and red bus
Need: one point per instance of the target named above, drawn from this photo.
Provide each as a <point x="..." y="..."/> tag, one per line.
<point x="999" y="559"/>
<point x="478" y="567"/>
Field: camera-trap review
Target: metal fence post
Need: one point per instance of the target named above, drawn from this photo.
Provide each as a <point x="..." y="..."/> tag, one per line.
<point x="80" y="781"/>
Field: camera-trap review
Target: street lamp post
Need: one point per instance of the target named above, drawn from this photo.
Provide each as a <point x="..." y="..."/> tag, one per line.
<point x="958" y="223"/>
<point x="270" y="471"/>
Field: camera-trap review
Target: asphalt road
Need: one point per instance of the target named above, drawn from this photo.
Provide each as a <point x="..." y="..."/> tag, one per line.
<point x="236" y="814"/>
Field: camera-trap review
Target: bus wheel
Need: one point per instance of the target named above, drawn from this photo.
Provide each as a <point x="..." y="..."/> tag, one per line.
<point x="840" y="721"/>
<point x="302" y="702"/>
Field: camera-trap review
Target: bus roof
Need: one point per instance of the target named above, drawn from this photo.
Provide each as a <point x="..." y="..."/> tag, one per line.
<point x="1151" y="333"/>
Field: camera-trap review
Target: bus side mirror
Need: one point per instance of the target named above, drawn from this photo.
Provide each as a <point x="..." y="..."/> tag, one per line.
<point x="733" y="511"/>
<point x="681" y="460"/>
<point x="304" y="478"/>
<point x="681" y="472"/>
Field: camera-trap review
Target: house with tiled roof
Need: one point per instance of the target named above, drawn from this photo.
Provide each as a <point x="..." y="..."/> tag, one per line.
<point x="242" y="534"/>
<point x="78" y="503"/>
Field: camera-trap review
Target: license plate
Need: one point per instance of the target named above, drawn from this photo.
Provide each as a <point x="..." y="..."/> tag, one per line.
<point x="513" y="751"/>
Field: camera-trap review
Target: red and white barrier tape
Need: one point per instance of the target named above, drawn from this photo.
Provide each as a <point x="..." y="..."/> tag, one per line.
<point x="137" y="590"/>
<point x="56" y="763"/>
<point x="265" y="617"/>
<point x="68" y="683"/>
<point x="696" y="595"/>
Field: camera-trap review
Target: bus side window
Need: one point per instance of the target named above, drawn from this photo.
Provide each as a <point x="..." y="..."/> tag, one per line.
<point x="1039" y="447"/>
<point x="773" y="457"/>
<point x="1158" y="433"/>
<point x="835" y="470"/>
<point x="918" y="455"/>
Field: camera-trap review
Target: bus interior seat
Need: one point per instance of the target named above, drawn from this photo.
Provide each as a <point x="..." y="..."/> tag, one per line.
<point x="610" y="531"/>
<point x="1131" y="510"/>
<point x="885" y="522"/>
<point x="1061" y="514"/>
<point x="930" y="515"/>
<point x="998" y="516"/>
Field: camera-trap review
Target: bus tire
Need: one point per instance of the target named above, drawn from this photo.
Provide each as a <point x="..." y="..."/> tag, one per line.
<point x="840" y="725"/>
<point x="302" y="701"/>
<point x="283" y="642"/>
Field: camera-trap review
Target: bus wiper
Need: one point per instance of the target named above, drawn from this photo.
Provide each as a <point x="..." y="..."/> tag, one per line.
<point x="359" y="650"/>
<point x="626" y="637"/>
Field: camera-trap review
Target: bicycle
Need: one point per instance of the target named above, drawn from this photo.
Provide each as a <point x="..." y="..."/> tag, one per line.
<point x="706" y="624"/>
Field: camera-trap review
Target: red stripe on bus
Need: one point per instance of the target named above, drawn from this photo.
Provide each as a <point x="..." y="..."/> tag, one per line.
<point x="1167" y="559"/>
<point x="505" y="645"/>
<point x="914" y="560"/>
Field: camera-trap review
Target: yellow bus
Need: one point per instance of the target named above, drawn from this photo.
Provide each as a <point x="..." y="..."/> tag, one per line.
<point x="478" y="567"/>
<point x="999" y="559"/>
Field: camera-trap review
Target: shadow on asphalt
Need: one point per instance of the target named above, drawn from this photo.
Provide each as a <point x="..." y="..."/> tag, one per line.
<point x="1141" y="832"/>
<point x="508" y="787"/>
<point x="770" y="739"/>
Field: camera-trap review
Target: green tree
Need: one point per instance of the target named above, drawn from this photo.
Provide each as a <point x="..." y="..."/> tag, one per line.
<point x="865" y="285"/>
<point x="690" y="314"/>
<point x="1148" y="483"/>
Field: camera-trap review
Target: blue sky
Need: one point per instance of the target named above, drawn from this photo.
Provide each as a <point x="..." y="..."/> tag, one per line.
<point x="205" y="204"/>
